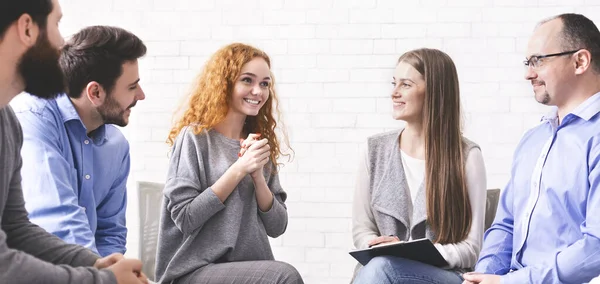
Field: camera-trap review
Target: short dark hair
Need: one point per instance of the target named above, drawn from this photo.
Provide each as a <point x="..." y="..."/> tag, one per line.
<point x="11" y="10"/>
<point x="97" y="53"/>
<point x="580" y="32"/>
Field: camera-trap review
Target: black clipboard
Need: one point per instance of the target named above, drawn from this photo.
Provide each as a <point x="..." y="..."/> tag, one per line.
<point x="421" y="250"/>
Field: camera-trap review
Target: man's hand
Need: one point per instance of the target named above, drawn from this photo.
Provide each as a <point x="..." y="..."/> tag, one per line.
<point x="474" y="278"/>
<point x="129" y="271"/>
<point x="108" y="260"/>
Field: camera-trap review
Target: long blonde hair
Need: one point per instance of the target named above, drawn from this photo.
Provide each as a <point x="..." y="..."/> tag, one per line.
<point x="448" y="208"/>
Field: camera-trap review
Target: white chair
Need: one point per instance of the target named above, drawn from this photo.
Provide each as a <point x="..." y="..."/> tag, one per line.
<point x="150" y="199"/>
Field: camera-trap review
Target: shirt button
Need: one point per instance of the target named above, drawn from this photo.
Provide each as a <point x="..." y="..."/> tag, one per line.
<point x="86" y="142"/>
<point x="87" y="176"/>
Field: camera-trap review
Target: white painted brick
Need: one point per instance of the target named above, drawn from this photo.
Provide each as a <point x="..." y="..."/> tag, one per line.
<point x="320" y="16"/>
<point x="312" y="46"/>
<point x="291" y="76"/>
<point x="130" y="5"/>
<point x="352" y="46"/>
<point x="334" y="254"/>
<point x="322" y="150"/>
<point x="546" y="12"/>
<point x="271" y="4"/>
<point x="314" y="209"/>
<point x="341" y="195"/>
<point x="419" y="15"/>
<point x="371" y="75"/>
<point x="193" y="5"/>
<point x="507" y="14"/>
<point x="313" y="270"/>
<point x="290" y="255"/>
<point x="526" y="105"/>
<point x="295" y="179"/>
<point x="406" y="44"/>
<point x="296" y="32"/>
<point x="159" y="76"/>
<point x="401" y="31"/>
<point x="458" y="15"/>
<point x="495" y="30"/>
<point x="271" y="47"/>
<point x="327" y="75"/>
<point x="298" y="120"/>
<point x="162" y="48"/>
<point x="294" y="61"/>
<point x="333" y="120"/>
<point x="393" y="4"/>
<point x="356" y="61"/>
<point x="353" y="90"/>
<point x="302" y="105"/>
<point x="332" y="181"/>
<point x="343" y="269"/>
<point x="487" y="104"/>
<point x="307" y="4"/>
<point x="467" y="3"/>
<point x="246" y="32"/>
<point x="354" y="105"/>
<point x="449" y="30"/>
<point x="308" y="239"/>
<point x="362" y="16"/>
<point x="384" y="46"/>
<point x="284" y="17"/>
<point x="347" y="149"/>
<point x="329" y="225"/>
<point x="516" y="3"/>
<point x="349" y="31"/>
<point x="309" y="90"/>
<point x="171" y="62"/>
<point x="513" y="60"/>
<point x="338" y="240"/>
<point x="242" y="17"/>
<point x="350" y="4"/>
<point x="384" y="104"/>
<point x="377" y="121"/>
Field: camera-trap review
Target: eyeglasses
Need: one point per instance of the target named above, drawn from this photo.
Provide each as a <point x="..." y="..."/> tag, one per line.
<point x="534" y="61"/>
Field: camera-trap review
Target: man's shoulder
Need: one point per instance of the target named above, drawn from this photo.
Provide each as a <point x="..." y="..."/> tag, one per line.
<point x="29" y="105"/>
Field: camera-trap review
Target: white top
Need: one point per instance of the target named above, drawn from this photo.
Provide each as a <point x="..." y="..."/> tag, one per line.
<point x="414" y="170"/>
<point x="458" y="255"/>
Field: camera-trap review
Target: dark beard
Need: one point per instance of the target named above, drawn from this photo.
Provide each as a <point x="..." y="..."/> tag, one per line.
<point x="112" y="113"/>
<point x="41" y="71"/>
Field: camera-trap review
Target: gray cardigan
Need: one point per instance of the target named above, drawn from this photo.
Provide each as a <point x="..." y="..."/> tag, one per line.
<point x="389" y="190"/>
<point x="196" y="229"/>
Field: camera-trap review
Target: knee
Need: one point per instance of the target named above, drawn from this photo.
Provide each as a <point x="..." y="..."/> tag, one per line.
<point x="375" y="271"/>
<point x="288" y="274"/>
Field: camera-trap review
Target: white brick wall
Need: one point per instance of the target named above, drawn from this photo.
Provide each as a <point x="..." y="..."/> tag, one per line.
<point x="333" y="60"/>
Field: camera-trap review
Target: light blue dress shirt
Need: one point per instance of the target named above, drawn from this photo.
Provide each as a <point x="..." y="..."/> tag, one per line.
<point x="547" y="227"/>
<point x="74" y="184"/>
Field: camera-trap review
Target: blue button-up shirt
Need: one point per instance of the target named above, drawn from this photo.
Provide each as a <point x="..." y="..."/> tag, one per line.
<point x="74" y="184"/>
<point x="547" y="227"/>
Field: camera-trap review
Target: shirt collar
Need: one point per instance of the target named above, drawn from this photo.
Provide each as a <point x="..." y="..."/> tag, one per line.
<point x="69" y="113"/>
<point x="585" y="110"/>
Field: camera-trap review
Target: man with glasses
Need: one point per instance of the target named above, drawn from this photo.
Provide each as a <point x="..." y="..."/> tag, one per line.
<point x="547" y="227"/>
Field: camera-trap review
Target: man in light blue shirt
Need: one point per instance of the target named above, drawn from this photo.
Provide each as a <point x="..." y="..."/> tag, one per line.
<point x="547" y="228"/>
<point x="75" y="164"/>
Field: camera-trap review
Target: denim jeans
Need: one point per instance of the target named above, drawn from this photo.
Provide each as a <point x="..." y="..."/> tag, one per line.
<point x="392" y="270"/>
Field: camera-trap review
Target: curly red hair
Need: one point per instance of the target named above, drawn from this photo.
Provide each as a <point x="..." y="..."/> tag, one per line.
<point x="209" y="99"/>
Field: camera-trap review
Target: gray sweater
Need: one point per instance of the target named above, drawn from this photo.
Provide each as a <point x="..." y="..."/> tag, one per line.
<point x="28" y="254"/>
<point x="196" y="229"/>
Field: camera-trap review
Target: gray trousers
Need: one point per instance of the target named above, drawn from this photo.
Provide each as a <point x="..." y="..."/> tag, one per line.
<point x="244" y="272"/>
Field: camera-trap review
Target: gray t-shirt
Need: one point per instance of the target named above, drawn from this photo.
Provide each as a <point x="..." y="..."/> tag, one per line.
<point x="29" y="254"/>
<point x="196" y="229"/>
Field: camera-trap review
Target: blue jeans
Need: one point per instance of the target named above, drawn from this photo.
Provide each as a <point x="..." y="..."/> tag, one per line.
<point x="392" y="270"/>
